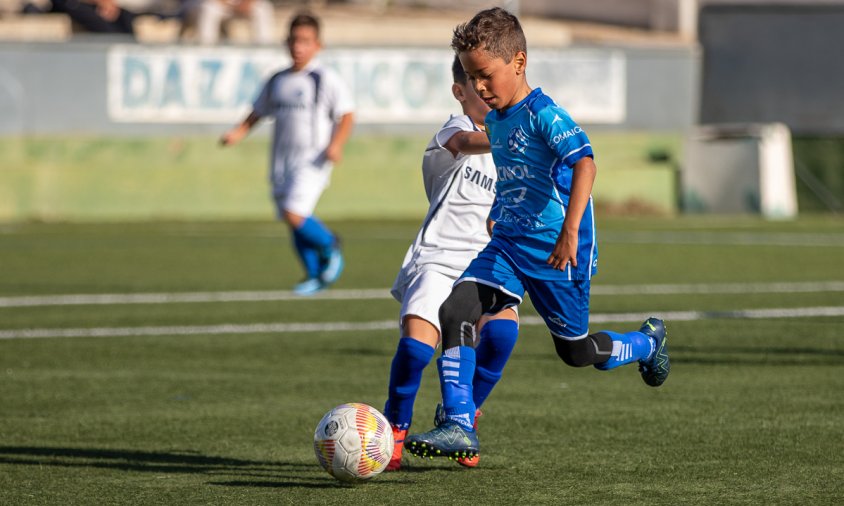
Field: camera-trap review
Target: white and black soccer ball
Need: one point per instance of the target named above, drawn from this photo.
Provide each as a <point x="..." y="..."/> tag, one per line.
<point x="353" y="442"/>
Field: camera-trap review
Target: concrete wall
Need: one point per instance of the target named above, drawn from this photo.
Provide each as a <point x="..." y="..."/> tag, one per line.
<point x="774" y="63"/>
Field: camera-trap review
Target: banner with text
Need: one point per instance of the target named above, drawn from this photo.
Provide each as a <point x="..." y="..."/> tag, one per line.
<point x="390" y="86"/>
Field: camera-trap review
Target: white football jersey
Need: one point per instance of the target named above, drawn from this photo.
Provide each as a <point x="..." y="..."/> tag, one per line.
<point x="460" y="192"/>
<point x="306" y="105"/>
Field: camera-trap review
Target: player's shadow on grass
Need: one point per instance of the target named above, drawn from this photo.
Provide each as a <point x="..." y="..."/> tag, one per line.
<point x="386" y="479"/>
<point x="295" y="474"/>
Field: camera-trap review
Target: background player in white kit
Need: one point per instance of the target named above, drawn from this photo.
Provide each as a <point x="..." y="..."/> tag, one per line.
<point x="312" y="109"/>
<point x="459" y="177"/>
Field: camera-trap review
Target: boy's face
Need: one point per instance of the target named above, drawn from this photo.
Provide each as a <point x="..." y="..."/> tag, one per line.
<point x="499" y="84"/>
<point x="472" y="104"/>
<point x="303" y="44"/>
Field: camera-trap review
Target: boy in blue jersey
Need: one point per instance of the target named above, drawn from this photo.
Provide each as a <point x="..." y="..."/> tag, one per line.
<point x="459" y="175"/>
<point x="543" y="241"/>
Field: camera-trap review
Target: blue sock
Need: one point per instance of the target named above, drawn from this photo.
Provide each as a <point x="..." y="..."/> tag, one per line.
<point x="307" y="254"/>
<point x="498" y="337"/>
<point x="457" y="368"/>
<point x="315" y="233"/>
<point x="405" y="376"/>
<point x="626" y="348"/>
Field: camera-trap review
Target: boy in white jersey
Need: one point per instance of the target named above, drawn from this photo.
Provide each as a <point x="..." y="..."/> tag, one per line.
<point x="312" y="109"/>
<point x="544" y="241"/>
<point x="459" y="177"/>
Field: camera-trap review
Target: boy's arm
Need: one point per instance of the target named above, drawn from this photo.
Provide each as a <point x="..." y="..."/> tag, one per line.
<point x="342" y="131"/>
<point x="565" y="250"/>
<point x="468" y="143"/>
<point x="238" y="132"/>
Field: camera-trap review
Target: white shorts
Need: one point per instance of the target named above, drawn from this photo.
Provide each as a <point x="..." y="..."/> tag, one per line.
<point x="424" y="295"/>
<point x="297" y="186"/>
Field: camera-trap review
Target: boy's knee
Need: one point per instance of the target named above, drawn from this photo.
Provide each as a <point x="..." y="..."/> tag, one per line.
<point x="589" y="350"/>
<point x="458" y="315"/>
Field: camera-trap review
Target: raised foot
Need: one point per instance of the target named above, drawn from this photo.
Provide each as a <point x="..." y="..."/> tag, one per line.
<point x="655" y="369"/>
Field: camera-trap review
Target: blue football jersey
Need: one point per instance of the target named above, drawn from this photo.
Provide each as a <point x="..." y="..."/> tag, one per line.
<point x="535" y="145"/>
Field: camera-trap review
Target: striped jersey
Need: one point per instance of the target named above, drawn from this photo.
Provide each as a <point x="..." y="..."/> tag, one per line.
<point x="305" y="104"/>
<point x="535" y="145"/>
<point x="460" y="192"/>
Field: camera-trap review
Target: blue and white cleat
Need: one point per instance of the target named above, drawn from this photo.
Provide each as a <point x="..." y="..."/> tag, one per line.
<point x="655" y="369"/>
<point x="309" y="287"/>
<point x="449" y="439"/>
<point x="440" y="418"/>
<point x="332" y="267"/>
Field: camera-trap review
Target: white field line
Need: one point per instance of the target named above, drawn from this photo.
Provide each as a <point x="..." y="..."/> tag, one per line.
<point x="745" y="238"/>
<point x="383" y="293"/>
<point x="288" y="328"/>
<point x="188" y="297"/>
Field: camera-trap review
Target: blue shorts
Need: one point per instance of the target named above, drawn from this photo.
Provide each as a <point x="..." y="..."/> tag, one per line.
<point x="563" y="304"/>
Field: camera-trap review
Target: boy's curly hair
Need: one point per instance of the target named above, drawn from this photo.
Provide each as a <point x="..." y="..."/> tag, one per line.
<point x="495" y="31"/>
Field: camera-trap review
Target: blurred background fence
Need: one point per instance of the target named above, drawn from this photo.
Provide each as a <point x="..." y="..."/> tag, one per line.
<point x="105" y="126"/>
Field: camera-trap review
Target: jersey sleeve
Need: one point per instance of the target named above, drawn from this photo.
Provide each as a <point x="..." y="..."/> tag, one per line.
<point x="445" y="161"/>
<point x="263" y="105"/>
<point x="340" y="101"/>
<point x="454" y="125"/>
<point x="565" y="137"/>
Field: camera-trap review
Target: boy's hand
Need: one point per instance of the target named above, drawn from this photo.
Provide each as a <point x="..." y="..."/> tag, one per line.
<point x="233" y="136"/>
<point x="565" y="251"/>
<point x="240" y="131"/>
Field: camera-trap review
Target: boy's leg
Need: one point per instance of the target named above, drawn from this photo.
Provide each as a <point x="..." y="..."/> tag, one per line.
<point x="296" y="191"/>
<point x="412" y="356"/>
<point x="325" y="243"/>
<point x="313" y="243"/>
<point x="626" y="348"/>
<point x="308" y="255"/>
<point x="498" y="338"/>
<point x="455" y="437"/>
<point x="654" y="365"/>
<point x="459" y="315"/>
<point x="421" y="301"/>
<point x="489" y="285"/>
<point x="564" y="305"/>
<point x="607" y="350"/>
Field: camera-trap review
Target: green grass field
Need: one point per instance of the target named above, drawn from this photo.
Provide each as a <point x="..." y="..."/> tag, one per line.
<point x="175" y="402"/>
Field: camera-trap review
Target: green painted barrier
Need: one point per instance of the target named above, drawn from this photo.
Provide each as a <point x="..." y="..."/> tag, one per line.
<point x="114" y="179"/>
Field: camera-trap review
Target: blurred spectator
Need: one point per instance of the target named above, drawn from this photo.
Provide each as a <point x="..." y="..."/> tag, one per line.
<point x="213" y="13"/>
<point x="185" y="12"/>
<point x="97" y="16"/>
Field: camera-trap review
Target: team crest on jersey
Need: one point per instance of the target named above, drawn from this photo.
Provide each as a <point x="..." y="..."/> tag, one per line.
<point x="517" y="140"/>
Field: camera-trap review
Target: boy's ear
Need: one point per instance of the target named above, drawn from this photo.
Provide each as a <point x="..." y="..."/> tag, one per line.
<point x="457" y="91"/>
<point x="520" y="62"/>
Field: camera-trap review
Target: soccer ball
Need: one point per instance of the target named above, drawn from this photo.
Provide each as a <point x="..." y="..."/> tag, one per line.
<point x="353" y="442"/>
